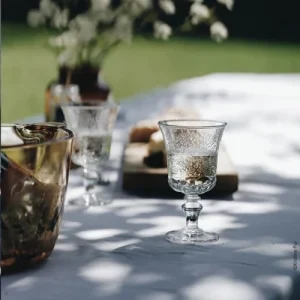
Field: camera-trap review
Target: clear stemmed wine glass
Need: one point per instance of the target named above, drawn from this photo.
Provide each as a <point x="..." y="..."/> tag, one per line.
<point x="92" y="124"/>
<point x="192" y="152"/>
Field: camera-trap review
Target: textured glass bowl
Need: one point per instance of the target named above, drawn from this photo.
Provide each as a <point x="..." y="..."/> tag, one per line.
<point x="35" y="161"/>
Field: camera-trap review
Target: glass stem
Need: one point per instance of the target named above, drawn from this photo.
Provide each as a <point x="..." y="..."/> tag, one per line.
<point x="192" y="209"/>
<point x="91" y="178"/>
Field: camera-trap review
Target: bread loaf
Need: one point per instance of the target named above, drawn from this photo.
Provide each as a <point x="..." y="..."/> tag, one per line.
<point x="157" y="153"/>
<point x="141" y="132"/>
<point x="156" y="143"/>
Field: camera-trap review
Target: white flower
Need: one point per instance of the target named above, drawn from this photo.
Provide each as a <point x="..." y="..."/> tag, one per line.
<point x="218" y="31"/>
<point x="167" y="6"/>
<point x="69" y="57"/>
<point x="162" y="30"/>
<point x="61" y="18"/>
<point x="48" y="8"/>
<point x="35" y="18"/>
<point x="228" y="3"/>
<point x="84" y="27"/>
<point x="105" y="17"/>
<point x="137" y="7"/>
<point x="66" y="39"/>
<point x="123" y="28"/>
<point x="199" y="13"/>
<point x="99" y="5"/>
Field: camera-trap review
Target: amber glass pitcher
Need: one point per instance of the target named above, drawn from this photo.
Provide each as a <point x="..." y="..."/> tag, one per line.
<point x="35" y="162"/>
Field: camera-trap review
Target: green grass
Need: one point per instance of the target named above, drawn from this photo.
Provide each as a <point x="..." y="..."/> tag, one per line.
<point x="28" y="65"/>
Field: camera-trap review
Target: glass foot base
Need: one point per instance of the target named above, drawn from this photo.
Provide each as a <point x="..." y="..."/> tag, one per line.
<point x="196" y="237"/>
<point x="91" y="200"/>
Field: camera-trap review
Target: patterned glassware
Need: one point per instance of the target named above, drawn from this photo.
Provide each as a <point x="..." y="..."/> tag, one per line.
<point x="35" y="161"/>
<point x="92" y="123"/>
<point x="192" y="152"/>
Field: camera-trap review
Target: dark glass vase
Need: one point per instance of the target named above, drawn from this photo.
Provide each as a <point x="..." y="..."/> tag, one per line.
<point x="91" y="87"/>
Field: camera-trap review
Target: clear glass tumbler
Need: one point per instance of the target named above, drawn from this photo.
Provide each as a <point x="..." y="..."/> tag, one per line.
<point x="92" y="124"/>
<point x="192" y="153"/>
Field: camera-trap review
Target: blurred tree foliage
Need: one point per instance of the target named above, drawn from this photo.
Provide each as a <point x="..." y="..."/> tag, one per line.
<point x="257" y="19"/>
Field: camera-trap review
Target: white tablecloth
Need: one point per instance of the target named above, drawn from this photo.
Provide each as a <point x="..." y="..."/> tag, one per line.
<point x="119" y="252"/>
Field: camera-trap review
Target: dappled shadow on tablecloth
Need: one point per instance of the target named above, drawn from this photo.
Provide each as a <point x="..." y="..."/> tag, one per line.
<point x="118" y="252"/>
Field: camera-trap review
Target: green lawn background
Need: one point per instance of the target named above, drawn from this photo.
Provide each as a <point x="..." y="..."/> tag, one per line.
<point x="28" y="65"/>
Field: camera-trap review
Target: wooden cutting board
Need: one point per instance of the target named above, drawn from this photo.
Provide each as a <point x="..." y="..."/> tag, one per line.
<point x="138" y="178"/>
